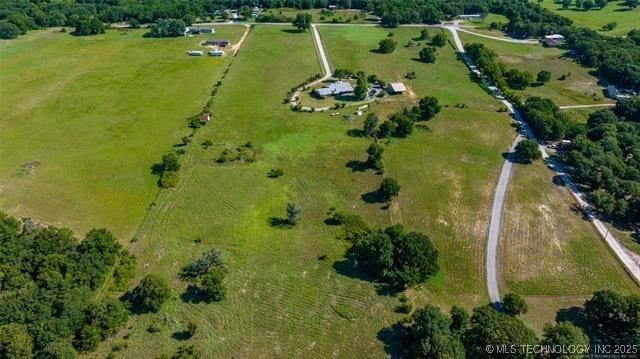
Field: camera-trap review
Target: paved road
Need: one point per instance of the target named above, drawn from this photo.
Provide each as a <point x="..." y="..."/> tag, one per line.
<point x="629" y="261"/>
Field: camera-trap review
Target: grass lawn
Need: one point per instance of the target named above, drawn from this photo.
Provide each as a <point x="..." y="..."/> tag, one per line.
<point x="627" y="19"/>
<point x="580" y="88"/>
<point x="91" y="115"/>
<point x="283" y="300"/>
<point x="547" y="248"/>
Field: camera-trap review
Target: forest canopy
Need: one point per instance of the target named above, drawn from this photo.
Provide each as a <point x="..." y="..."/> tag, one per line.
<point x="48" y="284"/>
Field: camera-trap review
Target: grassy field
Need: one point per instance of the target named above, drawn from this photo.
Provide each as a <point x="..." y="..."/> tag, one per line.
<point x="580" y="88"/>
<point x="282" y="299"/>
<point x="627" y="19"/>
<point x="547" y="248"/>
<point x="83" y="119"/>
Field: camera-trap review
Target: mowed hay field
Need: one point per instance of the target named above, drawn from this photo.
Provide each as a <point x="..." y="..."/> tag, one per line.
<point x="547" y="248"/>
<point x="291" y="291"/>
<point x="580" y="88"/>
<point x="595" y="19"/>
<point x="82" y="119"/>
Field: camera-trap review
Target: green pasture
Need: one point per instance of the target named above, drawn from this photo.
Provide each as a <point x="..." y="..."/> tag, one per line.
<point x="82" y="119"/>
<point x="596" y="18"/>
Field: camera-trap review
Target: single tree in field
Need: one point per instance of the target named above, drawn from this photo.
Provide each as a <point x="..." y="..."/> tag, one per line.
<point x="610" y="26"/>
<point x="428" y="54"/>
<point x="150" y="294"/>
<point x="302" y="21"/>
<point x="543" y="76"/>
<point x="212" y="285"/>
<point x="374" y="159"/>
<point x="386" y="46"/>
<point x="293" y="213"/>
<point x="439" y="40"/>
<point x="527" y="151"/>
<point x="514" y="304"/>
<point x="389" y="188"/>
<point x="429" y="108"/>
<point x="370" y="125"/>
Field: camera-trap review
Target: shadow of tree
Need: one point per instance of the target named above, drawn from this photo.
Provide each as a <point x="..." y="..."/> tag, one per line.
<point x="393" y="338"/>
<point x="181" y="335"/>
<point x="373" y="197"/>
<point x="292" y="31"/>
<point x="357" y="166"/>
<point x="356" y="132"/>
<point x="278" y="222"/>
<point x="194" y="295"/>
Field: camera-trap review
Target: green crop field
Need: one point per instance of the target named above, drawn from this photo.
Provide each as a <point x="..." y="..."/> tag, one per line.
<point x="291" y="291"/>
<point x="596" y="18"/>
<point x="83" y="119"/>
<point x="579" y="87"/>
<point x="547" y="248"/>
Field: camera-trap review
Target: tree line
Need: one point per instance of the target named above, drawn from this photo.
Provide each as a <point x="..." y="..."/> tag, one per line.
<point x="607" y="318"/>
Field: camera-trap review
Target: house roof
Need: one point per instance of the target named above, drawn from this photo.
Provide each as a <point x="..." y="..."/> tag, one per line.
<point x="217" y="41"/>
<point x="205" y="117"/>
<point x="335" y="88"/>
<point x="554" y="37"/>
<point x="397" y="87"/>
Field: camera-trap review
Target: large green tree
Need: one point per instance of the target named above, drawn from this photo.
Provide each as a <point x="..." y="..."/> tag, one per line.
<point x="150" y="294"/>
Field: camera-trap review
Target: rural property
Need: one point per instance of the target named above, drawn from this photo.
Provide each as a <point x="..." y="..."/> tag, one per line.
<point x="371" y="178"/>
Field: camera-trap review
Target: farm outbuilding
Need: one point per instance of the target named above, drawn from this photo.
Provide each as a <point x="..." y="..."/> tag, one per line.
<point x="195" y="53"/>
<point x="220" y="43"/>
<point x="397" y="88"/>
<point x="205" y="117"/>
<point x="216" y="53"/>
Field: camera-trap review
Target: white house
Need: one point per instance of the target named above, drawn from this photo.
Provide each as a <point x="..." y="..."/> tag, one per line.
<point x="195" y="53"/>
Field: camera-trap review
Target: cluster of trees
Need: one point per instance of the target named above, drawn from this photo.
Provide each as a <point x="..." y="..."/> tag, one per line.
<point x="429" y="54"/>
<point x="401" y="124"/>
<point x="487" y="61"/>
<point x="392" y="255"/>
<point x="608" y="317"/>
<point x="207" y="275"/>
<point x="545" y="119"/>
<point x="167" y="28"/>
<point x="616" y="58"/>
<point x="48" y="283"/>
<point x="167" y="170"/>
<point x="606" y="160"/>
<point x="584" y="4"/>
